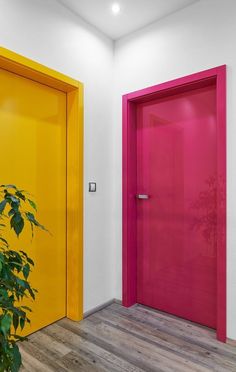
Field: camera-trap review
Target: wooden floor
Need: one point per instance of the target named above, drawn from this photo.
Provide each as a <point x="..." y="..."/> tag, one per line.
<point x="120" y="339"/>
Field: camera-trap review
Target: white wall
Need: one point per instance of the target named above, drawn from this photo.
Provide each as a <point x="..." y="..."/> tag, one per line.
<point x="45" y="31"/>
<point x="199" y="37"/>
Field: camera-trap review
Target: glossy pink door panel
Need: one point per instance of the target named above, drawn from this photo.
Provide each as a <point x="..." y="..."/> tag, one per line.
<point x="174" y="243"/>
<point x="176" y="226"/>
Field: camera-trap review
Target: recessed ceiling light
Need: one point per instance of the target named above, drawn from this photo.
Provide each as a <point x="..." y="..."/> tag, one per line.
<point x="115" y="8"/>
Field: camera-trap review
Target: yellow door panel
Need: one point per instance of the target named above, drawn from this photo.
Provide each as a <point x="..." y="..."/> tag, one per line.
<point x="33" y="157"/>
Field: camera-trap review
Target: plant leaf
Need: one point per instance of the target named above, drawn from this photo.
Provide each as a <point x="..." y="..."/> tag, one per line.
<point x="3" y="205"/>
<point x="26" y="271"/>
<point x="17" y="361"/>
<point x="33" y="205"/>
<point x="20" y="195"/>
<point x="22" y="322"/>
<point x="30" y="217"/>
<point x="17" y="223"/>
<point x="5" y="324"/>
<point x="15" y="321"/>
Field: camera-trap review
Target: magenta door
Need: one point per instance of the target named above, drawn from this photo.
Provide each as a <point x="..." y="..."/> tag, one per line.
<point x="176" y="224"/>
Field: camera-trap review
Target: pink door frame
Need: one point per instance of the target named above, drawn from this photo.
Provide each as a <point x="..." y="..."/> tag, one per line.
<point x="215" y="76"/>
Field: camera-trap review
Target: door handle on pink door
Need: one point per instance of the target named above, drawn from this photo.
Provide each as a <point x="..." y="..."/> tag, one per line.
<point x="142" y="196"/>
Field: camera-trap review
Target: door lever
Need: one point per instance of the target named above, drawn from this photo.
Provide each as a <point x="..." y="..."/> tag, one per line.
<point x="142" y="196"/>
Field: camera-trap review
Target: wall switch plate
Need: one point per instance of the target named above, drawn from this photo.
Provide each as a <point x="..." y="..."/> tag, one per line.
<point x="92" y="187"/>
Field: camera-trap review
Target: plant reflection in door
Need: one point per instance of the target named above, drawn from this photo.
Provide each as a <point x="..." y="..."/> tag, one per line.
<point x="204" y="212"/>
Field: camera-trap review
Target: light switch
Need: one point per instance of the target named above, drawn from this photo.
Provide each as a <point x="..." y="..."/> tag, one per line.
<point x="92" y="187"/>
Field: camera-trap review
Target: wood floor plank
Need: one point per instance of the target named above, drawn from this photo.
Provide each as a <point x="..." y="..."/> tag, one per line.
<point x="117" y="339"/>
<point x="151" y="355"/>
<point x="32" y="363"/>
<point x="130" y="357"/>
<point x="209" y="345"/>
<point x="173" y="344"/>
<point x="38" y="357"/>
<point x="49" y="345"/>
<point x="186" y="330"/>
<point x="101" y="357"/>
<point x="73" y="359"/>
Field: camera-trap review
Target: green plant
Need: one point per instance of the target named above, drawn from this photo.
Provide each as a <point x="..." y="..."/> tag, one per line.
<point x="15" y="267"/>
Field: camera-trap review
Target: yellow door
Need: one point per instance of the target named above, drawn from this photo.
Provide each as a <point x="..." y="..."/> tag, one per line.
<point x="33" y="157"/>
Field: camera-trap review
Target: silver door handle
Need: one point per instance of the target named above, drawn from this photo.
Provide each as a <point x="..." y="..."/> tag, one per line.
<point x="142" y="196"/>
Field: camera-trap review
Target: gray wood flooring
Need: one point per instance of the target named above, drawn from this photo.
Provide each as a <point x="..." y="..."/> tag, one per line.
<point x="132" y="340"/>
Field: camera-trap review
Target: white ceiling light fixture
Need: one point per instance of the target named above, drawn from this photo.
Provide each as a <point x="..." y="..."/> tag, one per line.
<point x="115" y="8"/>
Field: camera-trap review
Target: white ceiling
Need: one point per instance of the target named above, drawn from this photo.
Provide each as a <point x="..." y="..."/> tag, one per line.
<point x="134" y="14"/>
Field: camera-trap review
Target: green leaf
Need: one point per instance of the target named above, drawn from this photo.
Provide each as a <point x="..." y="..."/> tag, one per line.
<point x="24" y="254"/>
<point x="17" y="361"/>
<point x="3" y="205"/>
<point x="33" y="205"/>
<point x="17" y="223"/>
<point x="22" y="323"/>
<point x="31" y="262"/>
<point x="15" y="321"/>
<point x="9" y="186"/>
<point x="28" y="259"/>
<point x="15" y="205"/>
<point x="26" y="271"/>
<point x="11" y="212"/>
<point x="22" y="283"/>
<point x="31" y="292"/>
<point x="27" y="308"/>
<point x="12" y="198"/>
<point x="30" y="217"/>
<point x="5" y="324"/>
<point x="20" y="195"/>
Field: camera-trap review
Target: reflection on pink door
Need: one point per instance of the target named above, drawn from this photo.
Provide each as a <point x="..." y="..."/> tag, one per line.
<point x="176" y="226"/>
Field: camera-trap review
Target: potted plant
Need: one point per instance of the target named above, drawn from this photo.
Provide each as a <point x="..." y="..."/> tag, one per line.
<point x="16" y="208"/>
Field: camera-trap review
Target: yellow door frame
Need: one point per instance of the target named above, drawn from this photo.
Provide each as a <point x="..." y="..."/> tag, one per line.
<point x="27" y="68"/>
